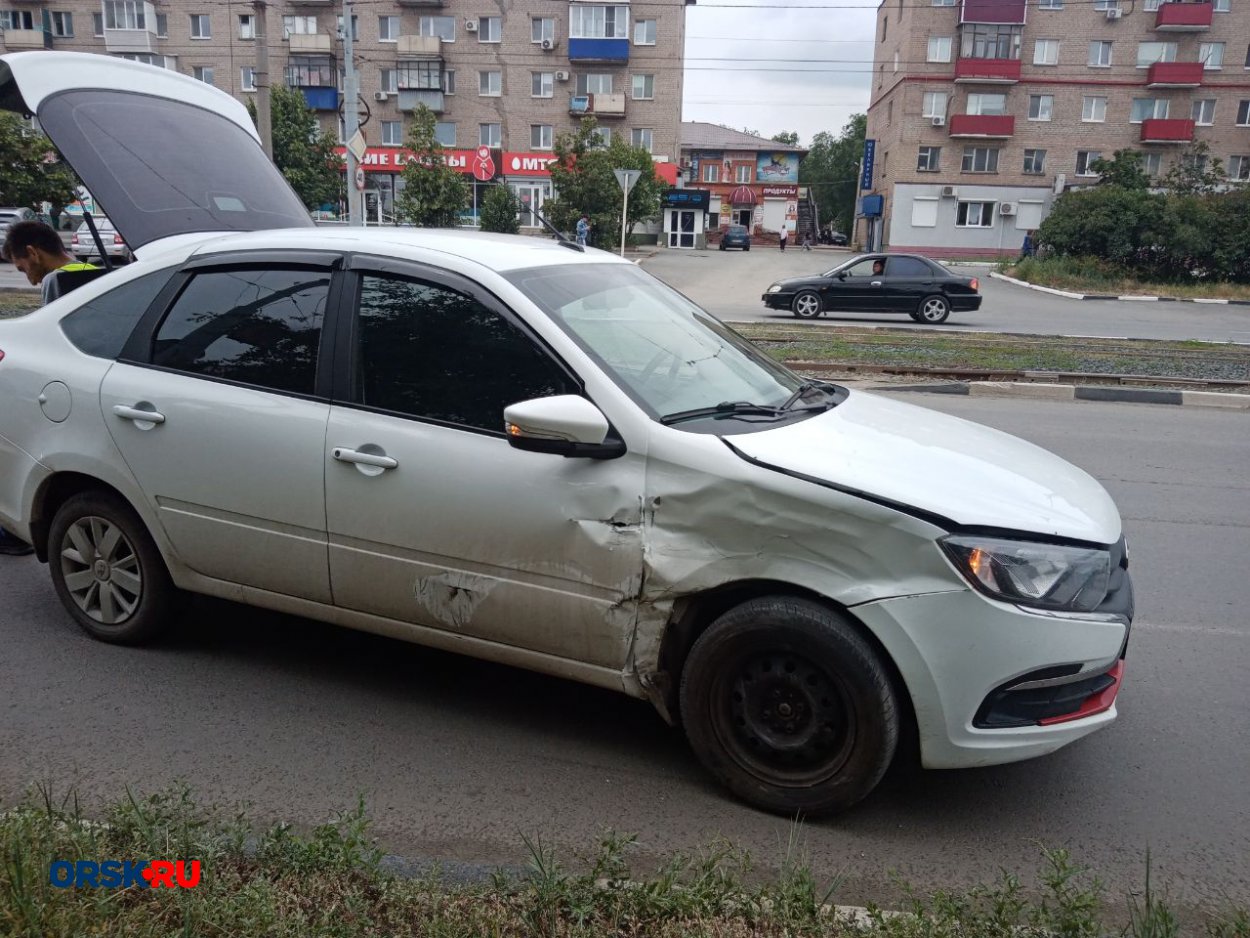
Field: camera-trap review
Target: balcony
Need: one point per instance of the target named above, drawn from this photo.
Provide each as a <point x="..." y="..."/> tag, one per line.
<point x="992" y="11"/>
<point x="600" y="105"/>
<point x="1174" y="75"/>
<point x="1167" y="130"/>
<point x="310" y="43"/>
<point x="411" y="99"/>
<point x="599" y="50"/>
<point x="982" y="125"/>
<point x="27" y="39"/>
<point x="1183" y="17"/>
<point x="429" y="47"/>
<point x="988" y="71"/>
<point x="129" y="40"/>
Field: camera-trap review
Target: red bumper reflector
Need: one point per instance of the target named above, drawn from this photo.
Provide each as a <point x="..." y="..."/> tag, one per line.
<point x="1094" y="703"/>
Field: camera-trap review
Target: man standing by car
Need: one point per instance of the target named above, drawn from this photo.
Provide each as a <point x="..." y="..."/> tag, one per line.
<point x="36" y="250"/>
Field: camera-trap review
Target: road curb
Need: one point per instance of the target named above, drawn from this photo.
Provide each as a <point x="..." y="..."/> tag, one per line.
<point x="1112" y="296"/>
<point x="1069" y="392"/>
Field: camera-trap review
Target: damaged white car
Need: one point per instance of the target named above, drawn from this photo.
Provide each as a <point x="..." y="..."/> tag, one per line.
<point x="522" y="451"/>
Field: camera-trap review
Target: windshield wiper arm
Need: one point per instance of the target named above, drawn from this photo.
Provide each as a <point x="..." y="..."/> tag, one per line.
<point x="723" y="409"/>
<point x="800" y="391"/>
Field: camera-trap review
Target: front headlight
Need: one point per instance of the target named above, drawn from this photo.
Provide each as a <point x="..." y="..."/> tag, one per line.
<point x="1050" y="576"/>
<point x="775" y="288"/>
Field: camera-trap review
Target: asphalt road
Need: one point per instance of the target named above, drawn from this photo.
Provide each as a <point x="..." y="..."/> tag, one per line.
<point x="730" y="283"/>
<point x="458" y="759"/>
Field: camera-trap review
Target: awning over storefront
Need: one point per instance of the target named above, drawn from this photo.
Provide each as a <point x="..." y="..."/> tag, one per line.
<point x="743" y="195"/>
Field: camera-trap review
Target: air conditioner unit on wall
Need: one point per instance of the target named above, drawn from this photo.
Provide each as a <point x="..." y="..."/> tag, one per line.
<point x="380" y="96"/>
<point x="1006" y="208"/>
<point x="548" y="44"/>
<point x="562" y="76"/>
<point x="1114" y="13"/>
<point x="950" y="192"/>
<point x="938" y="121"/>
<point x="470" y="26"/>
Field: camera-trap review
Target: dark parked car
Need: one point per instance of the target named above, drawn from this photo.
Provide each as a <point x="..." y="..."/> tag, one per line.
<point x="736" y="236"/>
<point x="879" y="283"/>
<point x="835" y="238"/>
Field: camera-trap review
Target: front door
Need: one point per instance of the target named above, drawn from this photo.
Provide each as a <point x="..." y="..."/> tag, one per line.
<point x="434" y="518"/>
<point x="221" y="426"/>
<point x="681" y="228"/>
<point x="861" y="288"/>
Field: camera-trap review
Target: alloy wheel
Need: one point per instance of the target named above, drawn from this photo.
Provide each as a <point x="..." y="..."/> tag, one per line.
<point x="807" y="305"/>
<point x="934" y="309"/>
<point x="101" y="570"/>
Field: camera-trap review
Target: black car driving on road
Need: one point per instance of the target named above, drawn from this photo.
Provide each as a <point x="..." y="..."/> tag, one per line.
<point x="879" y="283"/>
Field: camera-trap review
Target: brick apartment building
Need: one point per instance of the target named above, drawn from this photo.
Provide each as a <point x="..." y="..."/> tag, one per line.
<point x="984" y="110"/>
<point x="507" y="75"/>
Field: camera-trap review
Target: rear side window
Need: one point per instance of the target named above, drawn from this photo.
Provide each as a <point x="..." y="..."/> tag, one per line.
<point x="257" y="327"/>
<point x="909" y="267"/>
<point x="101" y="326"/>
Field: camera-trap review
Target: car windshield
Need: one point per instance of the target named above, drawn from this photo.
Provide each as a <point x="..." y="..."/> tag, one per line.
<point x="659" y="347"/>
<point x="737" y="229"/>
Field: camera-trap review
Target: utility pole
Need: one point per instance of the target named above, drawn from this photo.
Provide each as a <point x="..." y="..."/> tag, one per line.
<point x="261" y="77"/>
<point x="859" y="170"/>
<point x="351" y="119"/>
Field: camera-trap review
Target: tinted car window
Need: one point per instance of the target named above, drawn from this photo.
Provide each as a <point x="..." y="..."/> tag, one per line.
<point x="862" y="268"/>
<point x="428" y="351"/>
<point x="908" y="267"/>
<point x="101" y="326"/>
<point x="257" y="327"/>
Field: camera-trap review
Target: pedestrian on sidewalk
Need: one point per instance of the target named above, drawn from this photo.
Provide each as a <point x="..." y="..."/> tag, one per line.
<point x="1029" y="247"/>
<point x="807" y="239"/>
<point x="784" y="234"/>
<point x="583" y="230"/>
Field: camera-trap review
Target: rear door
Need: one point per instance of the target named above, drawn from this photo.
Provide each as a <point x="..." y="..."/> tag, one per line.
<point x="908" y="281"/>
<point x="162" y="153"/>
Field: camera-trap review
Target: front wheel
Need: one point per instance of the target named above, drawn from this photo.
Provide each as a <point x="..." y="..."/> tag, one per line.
<point x="806" y="305"/>
<point x="107" y="570"/>
<point x="933" y="309"/>
<point x="789" y="706"/>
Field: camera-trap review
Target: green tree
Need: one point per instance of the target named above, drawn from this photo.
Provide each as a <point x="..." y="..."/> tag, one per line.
<point x="831" y="170"/>
<point x="787" y="138"/>
<point x="500" y="207"/>
<point x="1196" y="172"/>
<point x="1123" y="170"/>
<point x="434" y="193"/>
<point x="301" y="149"/>
<point x="585" y="183"/>
<point x="33" y="172"/>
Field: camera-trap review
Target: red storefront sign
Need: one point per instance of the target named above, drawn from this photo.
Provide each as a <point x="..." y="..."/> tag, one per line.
<point x="781" y="192"/>
<point x="394" y="159"/>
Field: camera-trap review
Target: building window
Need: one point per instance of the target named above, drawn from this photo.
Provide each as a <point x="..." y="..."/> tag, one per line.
<point x="490" y="135"/>
<point x="419" y="76"/>
<point x="1103" y="5"/>
<point x="162" y="26"/>
<point x="443" y="27"/>
<point x="711" y="172"/>
<point x="201" y="27"/>
<point x="124" y="14"/>
<point x="644" y="87"/>
<point x="490" y="84"/>
<point x="202" y="73"/>
<point x="1243" y="113"/>
<point x="542" y="28"/>
<point x="1247" y="56"/>
<point x="641" y="137"/>
<point x="1147" y="108"/>
<point x="1094" y="109"/>
<point x="1046" y="52"/>
<point x="388" y="80"/>
<point x="644" y="33"/>
<point x="600" y="83"/>
<point x="449" y="81"/>
<point x="490" y="29"/>
<point x="298" y="26"/>
<point x="542" y="84"/>
<point x="975" y="215"/>
<point x="445" y="133"/>
<point x="1221" y="6"/>
<point x="1034" y="162"/>
<point x="598" y="22"/>
<point x="388" y="29"/>
<point x="355" y="27"/>
<point x="993" y="105"/>
<point x="1150" y="52"/>
<point x="97" y="29"/>
<point x="63" y="25"/>
<point x="885" y="22"/>
<point x="1152" y="163"/>
<point x="889" y="111"/>
<point x="1100" y="54"/>
<point x="983" y="41"/>
<point x="742" y="174"/>
<point x="1195" y="162"/>
<point x="16" y="19"/>
<point x="1041" y="107"/>
<point x="896" y="61"/>
<point x="1202" y="112"/>
<point x="541" y="136"/>
<point x="943" y="3"/>
<point x="1211" y="55"/>
<point x="310" y="71"/>
<point x="392" y="133"/>
<point x="927" y="159"/>
<point x="247" y="78"/>
<point x="247" y="26"/>
<point x="934" y="104"/>
<point x="1239" y="168"/>
<point x="604" y="134"/>
<point x="1085" y="160"/>
<point x="939" y="49"/>
<point x="1050" y="4"/>
<point x="980" y="160"/>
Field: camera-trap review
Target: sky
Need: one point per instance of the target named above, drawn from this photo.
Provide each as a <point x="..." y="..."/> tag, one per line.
<point x="804" y="65"/>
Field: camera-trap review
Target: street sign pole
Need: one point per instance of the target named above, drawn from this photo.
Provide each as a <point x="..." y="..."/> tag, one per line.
<point x="626" y="178"/>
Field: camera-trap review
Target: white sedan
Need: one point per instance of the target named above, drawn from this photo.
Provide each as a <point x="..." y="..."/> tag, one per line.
<point x="523" y="451"/>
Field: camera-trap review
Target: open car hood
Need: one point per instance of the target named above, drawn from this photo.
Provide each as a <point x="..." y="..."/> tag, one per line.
<point x="162" y="153"/>
<point x="953" y="471"/>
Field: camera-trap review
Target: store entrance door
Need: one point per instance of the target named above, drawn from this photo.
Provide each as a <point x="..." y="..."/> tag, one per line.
<point x="681" y="228"/>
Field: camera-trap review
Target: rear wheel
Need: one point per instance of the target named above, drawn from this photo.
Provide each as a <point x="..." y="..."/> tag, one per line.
<point x="806" y="305"/>
<point x="789" y="706"/>
<point x="933" y="309"/>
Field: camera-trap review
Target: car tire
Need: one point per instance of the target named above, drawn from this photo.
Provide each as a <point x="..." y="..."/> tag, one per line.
<point x="107" y="570"/>
<point x="933" y="309"/>
<point x="806" y="304"/>
<point x="747" y="248"/>
<point x="789" y="706"/>
<point x="722" y="247"/>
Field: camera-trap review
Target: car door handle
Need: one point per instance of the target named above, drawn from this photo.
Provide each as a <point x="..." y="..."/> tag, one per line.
<point x="137" y="414"/>
<point x="875" y="283"/>
<point x="364" y="459"/>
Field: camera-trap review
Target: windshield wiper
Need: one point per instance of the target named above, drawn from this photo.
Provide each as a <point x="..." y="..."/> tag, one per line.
<point x="723" y="409"/>
<point x="800" y="391"/>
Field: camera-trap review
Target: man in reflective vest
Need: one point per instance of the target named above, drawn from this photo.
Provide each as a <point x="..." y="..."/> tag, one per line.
<point x="36" y="250"/>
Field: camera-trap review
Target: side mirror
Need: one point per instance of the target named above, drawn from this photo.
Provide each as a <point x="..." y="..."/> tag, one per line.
<point x="565" y="425"/>
<point x="841" y="274"/>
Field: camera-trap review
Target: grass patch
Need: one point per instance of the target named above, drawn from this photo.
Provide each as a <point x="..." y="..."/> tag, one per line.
<point x="19" y="304"/>
<point x="331" y="881"/>
<point x="1092" y="275"/>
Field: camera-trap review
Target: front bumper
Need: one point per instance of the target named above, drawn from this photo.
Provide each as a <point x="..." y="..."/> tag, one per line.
<point x="778" y="300"/>
<point x="991" y="682"/>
